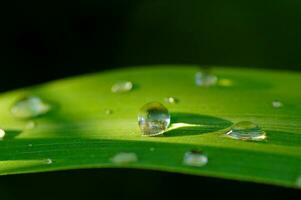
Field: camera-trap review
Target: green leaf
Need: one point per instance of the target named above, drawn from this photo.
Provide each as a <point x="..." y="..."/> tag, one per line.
<point x="79" y="134"/>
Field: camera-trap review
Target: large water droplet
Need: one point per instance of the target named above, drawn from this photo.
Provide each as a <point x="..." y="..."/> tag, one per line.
<point x="246" y="130"/>
<point x="171" y="100"/>
<point x="121" y="87"/>
<point x="124" y="158"/>
<point x="30" y="107"/>
<point x="195" y="158"/>
<point x="153" y="119"/>
<point x="277" y="104"/>
<point x="2" y="134"/>
<point x="205" y="79"/>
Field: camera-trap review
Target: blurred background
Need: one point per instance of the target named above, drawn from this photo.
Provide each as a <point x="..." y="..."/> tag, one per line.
<point x="47" y="40"/>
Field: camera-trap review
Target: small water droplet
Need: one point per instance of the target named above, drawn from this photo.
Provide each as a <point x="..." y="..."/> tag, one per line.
<point x="205" y="79"/>
<point x="108" y="111"/>
<point x="246" y="130"/>
<point x="121" y="87"/>
<point x="30" y="107"/>
<point x="152" y="149"/>
<point x="277" y="104"/>
<point x="30" y="125"/>
<point x="124" y="158"/>
<point x="2" y="134"/>
<point x="48" y="161"/>
<point x="298" y="182"/>
<point x="153" y="119"/>
<point x="195" y="158"/>
<point x="30" y="145"/>
<point x="171" y="100"/>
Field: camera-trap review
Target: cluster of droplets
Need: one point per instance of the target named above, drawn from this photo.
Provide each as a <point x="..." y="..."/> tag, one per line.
<point x="153" y="119"/>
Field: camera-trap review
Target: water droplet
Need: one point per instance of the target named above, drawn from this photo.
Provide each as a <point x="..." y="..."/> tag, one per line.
<point x="152" y="149"/>
<point x="2" y="134"/>
<point x="298" y="182"/>
<point x="277" y="104"/>
<point x="30" y="107"/>
<point x="108" y="111"/>
<point x="30" y="125"/>
<point x="153" y="119"/>
<point x="121" y="87"/>
<point x="205" y="79"/>
<point x="48" y="161"/>
<point x="171" y="100"/>
<point x="124" y="158"/>
<point x="195" y="158"/>
<point x="246" y="130"/>
<point x="30" y="145"/>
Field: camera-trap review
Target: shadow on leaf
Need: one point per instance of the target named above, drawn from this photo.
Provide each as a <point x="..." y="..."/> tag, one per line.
<point x="183" y="124"/>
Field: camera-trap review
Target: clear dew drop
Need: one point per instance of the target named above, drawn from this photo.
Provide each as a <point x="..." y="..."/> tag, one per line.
<point x="277" y="104"/>
<point x="205" y="79"/>
<point x="2" y="134"/>
<point x="124" y="158"/>
<point x="152" y="149"/>
<point x="246" y="130"/>
<point x="153" y="119"/>
<point x="122" y="87"/>
<point x="195" y="159"/>
<point x="29" y="145"/>
<point x="171" y="100"/>
<point x="30" y="107"/>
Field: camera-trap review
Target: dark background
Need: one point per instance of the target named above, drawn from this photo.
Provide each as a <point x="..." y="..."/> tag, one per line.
<point x="46" y="40"/>
<point x="130" y="184"/>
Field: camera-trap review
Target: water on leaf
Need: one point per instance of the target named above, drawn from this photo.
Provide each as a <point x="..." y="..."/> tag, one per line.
<point x="152" y="149"/>
<point x="122" y="87"/>
<point x="195" y="158"/>
<point x="48" y="161"/>
<point x="30" y="107"/>
<point x="2" y="134"/>
<point x="171" y="100"/>
<point x="246" y="130"/>
<point x="277" y="104"/>
<point x="124" y="158"/>
<point x="205" y="79"/>
<point x="153" y="119"/>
